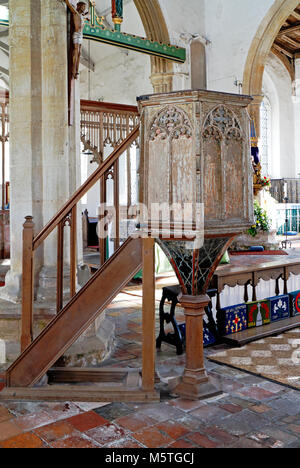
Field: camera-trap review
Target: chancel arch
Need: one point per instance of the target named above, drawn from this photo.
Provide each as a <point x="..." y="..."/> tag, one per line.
<point x="267" y="39"/>
<point x="156" y="29"/>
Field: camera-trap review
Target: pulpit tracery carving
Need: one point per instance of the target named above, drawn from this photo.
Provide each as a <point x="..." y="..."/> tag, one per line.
<point x="222" y="123"/>
<point x="171" y="122"/>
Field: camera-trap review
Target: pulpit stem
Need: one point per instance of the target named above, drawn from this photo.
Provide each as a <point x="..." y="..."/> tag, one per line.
<point x="195" y="384"/>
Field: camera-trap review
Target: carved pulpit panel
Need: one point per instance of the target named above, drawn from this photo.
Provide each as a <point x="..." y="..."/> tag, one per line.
<point x="213" y="180"/>
<point x="169" y="176"/>
<point x="226" y="187"/>
<point x="234" y="192"/>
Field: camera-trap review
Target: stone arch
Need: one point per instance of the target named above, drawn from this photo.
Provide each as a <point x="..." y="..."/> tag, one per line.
<point x="259" y="51"/>
<point x="156" y="30"/>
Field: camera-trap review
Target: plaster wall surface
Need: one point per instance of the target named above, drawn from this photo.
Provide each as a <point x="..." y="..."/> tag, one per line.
<point x="231" y="27"/>
<point x="277" y="87"/>
<point x="296" y="100"/>
<point x="120" y="75"/>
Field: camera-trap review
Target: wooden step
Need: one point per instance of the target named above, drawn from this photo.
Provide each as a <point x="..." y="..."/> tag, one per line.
<point x="254" y="334"/>
<point x="126" y="376"/>
<point x="92" y="393"/>
<point x="76" y="316"/>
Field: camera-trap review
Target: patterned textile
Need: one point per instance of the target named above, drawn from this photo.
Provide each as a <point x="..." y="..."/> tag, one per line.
<point x="276" y="358"/>
<point x="258" y="313"/>
<point x="279" y="308"/>
<point x="295" y="303"/>
<point x="234" y="319"/>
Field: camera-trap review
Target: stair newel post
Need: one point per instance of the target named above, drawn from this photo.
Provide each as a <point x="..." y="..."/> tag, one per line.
<point x="60" y="266"/>
<point x="73" y="251"/>
<point x="148" y="314"/>
<point x="27" y="284"/>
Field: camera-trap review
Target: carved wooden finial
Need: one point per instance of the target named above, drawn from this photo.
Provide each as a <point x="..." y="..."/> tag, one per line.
<point x="29" y="224"/>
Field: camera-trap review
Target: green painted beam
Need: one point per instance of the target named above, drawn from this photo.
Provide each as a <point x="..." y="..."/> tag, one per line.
<point x="99" y="33"/>
<point x="139" y="44"/>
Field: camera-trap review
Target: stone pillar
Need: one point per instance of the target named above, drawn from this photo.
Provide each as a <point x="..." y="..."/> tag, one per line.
<point x="75" y="165"/>
<point x="40" y="165"/>
<point x="26" y="165"/>
<point x="297" y="117"/>
<point x="195" y="383"/>
<point x="162" y="82"/>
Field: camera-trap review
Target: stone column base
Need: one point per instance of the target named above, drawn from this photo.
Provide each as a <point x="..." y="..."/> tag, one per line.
<point x="12" y="290"/>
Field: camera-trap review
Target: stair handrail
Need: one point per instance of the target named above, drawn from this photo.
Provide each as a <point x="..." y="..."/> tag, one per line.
<point x="101" y="106"/>
<point x="81" y="191"/>
<point x="67" y="214"/>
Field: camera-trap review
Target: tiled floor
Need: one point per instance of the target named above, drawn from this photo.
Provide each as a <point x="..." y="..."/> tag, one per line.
<point x="252" y="412"/>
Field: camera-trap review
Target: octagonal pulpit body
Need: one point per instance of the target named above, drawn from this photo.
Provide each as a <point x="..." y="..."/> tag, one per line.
<point x="196" y="149"/>
<point x="195" y="153"/>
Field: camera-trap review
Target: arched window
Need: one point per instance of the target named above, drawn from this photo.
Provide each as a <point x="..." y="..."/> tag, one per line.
<point x="265" y="136"/>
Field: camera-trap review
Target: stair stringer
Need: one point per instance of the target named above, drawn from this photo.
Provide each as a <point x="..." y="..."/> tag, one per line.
<point x="76" y="316"/>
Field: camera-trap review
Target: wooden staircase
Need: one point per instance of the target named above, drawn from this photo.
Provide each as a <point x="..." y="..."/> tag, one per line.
<point x="74" y="317"/>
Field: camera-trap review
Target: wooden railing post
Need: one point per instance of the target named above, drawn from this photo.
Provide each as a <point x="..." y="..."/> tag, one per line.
<point x="60" y="266"/>
<point x="148" y="353"/>
<point x="102" y="215"/>
<point x="73" y="251"/>
<point x="27" y="284"/>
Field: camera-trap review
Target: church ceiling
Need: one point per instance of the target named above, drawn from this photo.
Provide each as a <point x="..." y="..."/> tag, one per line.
<point x="288" y="38"/>
<point x="287" y="43"/>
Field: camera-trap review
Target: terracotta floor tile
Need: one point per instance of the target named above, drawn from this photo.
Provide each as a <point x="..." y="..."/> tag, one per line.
<point x="85" y="421"/>
<point x="173" y="429"/>
<point x="74" y="442"/>
<point x="132" y="336"/>
<point x="125" y="443"/>
<point x="201" y="440"/>
<point x="9" y="429"/>
<point x="233" y="409"/>
<point x="27" y="440"/>
<point x="294" y="428"/>
<point x="257" y="393"/>
<point x="34" y="420"/>
<point x="5" y="415"/>
<point x="219" y="435"/>
<point x="186" y="405"/>
<point x="260" y="409"/>
<point x="182" y="444"/>
<point x="106" y="434"/>
<point x="135" y="422"/>
<point x="61" y="411"/>
<point x="152" y="438"/>
<point x="55" y="431"/>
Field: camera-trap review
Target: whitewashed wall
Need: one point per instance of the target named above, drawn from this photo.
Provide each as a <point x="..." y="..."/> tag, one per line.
<point x="120" y="75"/>
<point x="227" y="28"/>
<point x="277" y="86"/>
